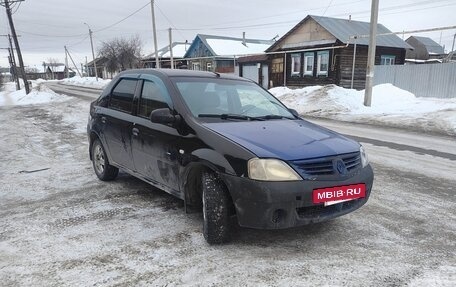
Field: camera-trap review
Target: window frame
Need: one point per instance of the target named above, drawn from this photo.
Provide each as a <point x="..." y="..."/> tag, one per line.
<point x="306" y="56"/>
<point x="320" y="55"/>
<point x="165" y="96"/>
<point x="132" y="108"/>
<point x="294" y="65"/>
<point x="387" y="60"/>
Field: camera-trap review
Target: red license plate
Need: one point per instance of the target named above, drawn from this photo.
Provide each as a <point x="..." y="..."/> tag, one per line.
<point x="333" y="195"/>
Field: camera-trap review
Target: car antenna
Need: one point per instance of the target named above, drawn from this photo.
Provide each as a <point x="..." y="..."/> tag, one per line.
<point x="216" y="74"/>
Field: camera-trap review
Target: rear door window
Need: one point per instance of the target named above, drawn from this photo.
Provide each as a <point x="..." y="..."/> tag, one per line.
<point x="122" y="95"/>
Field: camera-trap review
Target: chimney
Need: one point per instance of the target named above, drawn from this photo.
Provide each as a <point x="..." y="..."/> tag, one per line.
<point x="243" y="39"/>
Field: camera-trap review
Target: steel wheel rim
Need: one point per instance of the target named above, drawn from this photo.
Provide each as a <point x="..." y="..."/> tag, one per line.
<point x="99" y="159"/>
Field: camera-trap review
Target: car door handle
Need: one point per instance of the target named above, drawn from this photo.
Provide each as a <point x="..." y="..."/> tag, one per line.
<point x="135" y="132"/>
<point x="103" y="120"/>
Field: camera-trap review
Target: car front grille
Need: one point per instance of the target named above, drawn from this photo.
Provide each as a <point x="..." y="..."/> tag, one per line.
<point x="326" y="167"/>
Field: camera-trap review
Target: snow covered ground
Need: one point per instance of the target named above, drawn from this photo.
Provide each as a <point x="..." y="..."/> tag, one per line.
<point x="89" y="82"/>
<point x="40" y="94"/>
<point x="391" y="106"/>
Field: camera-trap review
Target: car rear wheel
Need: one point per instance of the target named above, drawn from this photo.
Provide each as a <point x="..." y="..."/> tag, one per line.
<point x="103" y="169"/>
<point x="216" y="203"/>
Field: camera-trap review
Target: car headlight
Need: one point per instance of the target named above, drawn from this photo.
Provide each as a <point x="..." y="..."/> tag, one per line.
<point x="271" y="170"/>
<point x="364" y="158"/>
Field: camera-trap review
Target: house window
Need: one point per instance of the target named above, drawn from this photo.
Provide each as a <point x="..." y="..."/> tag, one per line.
<point x="323" y="63"/>
<point x="387" y="60"/>
<point x="295" y="64"/>
<point x="196" y="66"/>
<point x="209" y="66"/>
<point x="308" y="63"/>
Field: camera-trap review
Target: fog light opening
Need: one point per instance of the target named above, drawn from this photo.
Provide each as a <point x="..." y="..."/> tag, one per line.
<point x="278" y="216"/>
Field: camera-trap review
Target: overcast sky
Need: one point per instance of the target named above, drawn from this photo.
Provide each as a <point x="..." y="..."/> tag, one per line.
<point x="46" y="26"/>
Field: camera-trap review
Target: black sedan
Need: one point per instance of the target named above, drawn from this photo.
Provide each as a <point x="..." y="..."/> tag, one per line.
<point x="226" y="144"/>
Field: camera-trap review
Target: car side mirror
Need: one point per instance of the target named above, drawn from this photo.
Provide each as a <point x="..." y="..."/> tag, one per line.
<point x="294" y="112"/>
<point x="163" y="116"/>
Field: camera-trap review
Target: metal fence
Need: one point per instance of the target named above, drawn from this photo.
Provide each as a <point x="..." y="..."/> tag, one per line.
<point x="430" y="80"/>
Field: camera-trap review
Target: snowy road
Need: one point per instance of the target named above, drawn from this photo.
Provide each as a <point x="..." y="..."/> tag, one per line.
<point x="62" y="227"/>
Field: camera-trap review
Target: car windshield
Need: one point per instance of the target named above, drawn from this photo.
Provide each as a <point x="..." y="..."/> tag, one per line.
<point x="229" y="99"/>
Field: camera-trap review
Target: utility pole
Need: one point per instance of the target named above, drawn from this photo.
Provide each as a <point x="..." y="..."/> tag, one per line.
<point x="371" y="54"/>
<point x="12" y="61"/>
<point x="93" y="53"/>
<point x="16" y="43"/>
<point x="72" y="61"/>
<point x="157" y="63"/>
<point x="66" y="63"/>
<point x="171" y="47"/>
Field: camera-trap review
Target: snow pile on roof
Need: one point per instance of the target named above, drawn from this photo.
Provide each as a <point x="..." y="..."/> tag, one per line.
<point x="390" y="106"/>
<point x="40" y="94"/>
<point x="226" y="47"/>
<point x="86" y="82"/>
<point x="179" y="50"/>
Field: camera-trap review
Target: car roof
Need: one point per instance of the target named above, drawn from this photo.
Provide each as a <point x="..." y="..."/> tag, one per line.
<point x="183" y="73"/>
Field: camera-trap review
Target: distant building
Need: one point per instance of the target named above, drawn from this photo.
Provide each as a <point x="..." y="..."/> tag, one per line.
<point x="164" y="55"/>
<point x="425" y="50"/>
<point x="58" y="72"/>
<point x="102" y="70"/>
<point x="219" y="54"/>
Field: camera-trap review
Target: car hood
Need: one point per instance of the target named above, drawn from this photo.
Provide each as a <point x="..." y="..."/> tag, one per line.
<point x="285" y="139"/>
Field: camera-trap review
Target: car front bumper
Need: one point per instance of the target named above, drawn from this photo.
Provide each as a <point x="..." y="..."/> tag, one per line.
<point x="278" y="205"/>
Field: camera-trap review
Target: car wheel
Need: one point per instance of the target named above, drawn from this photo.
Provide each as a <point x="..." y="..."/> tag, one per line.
<point x="216" y="203"/>
<point x="102" y="168"/>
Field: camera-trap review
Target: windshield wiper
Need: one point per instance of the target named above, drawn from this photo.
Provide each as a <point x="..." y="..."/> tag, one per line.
<point x="273" y="117"/>
<point x="230" y="116"/>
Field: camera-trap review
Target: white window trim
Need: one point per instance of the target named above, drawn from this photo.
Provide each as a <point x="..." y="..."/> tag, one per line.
<point x="388" y="60"/>
<point x="293" y="57"/>
<point x="319" y="57"/>
<point x="306" y="57"/>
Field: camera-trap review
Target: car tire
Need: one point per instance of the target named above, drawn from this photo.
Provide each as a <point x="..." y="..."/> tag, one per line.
<point x="216" y="203"/>
<point x="101" y="166"/>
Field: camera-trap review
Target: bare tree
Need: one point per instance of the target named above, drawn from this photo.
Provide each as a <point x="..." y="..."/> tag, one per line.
<point x="121" y="53"/>
<point x="31" y="70"/>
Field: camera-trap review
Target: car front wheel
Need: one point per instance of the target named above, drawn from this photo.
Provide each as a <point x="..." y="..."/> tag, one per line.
<point x="216" y="203"/>
<point x="103" y="169"/>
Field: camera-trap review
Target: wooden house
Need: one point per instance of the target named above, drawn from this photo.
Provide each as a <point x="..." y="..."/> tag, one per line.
<point x="320" y="51"/>
<point x="58" y="72"/>
<point x="219" y="54"/>
<point x="164" y="56"/>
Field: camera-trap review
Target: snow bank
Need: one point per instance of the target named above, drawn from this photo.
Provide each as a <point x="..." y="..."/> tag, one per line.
<point x="40" y="94"/>
<point x="390" y="106"/>
<point x="90" y="82"/>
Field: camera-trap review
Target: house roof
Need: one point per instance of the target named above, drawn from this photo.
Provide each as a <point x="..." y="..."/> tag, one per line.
<point x="343" y="29"/>
<point x="229" y="46"/>
<point x="179" y="50"/>
<point x="100" y="61"/>
<point x="431" y="46"/>
<point x="57" y="69"/>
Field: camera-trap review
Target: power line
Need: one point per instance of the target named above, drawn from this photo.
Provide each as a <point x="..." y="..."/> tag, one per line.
<point x="294" y="21"/>
<point x="51" y="36"/>
<point x="120" y="21"/>
<point x="329" y="5"/>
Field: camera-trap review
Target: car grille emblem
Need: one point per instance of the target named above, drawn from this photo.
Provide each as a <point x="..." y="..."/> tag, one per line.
<point x="340" y="166"/>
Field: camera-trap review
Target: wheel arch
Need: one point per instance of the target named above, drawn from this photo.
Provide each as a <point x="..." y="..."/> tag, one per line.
<point x="192" y="183"/>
